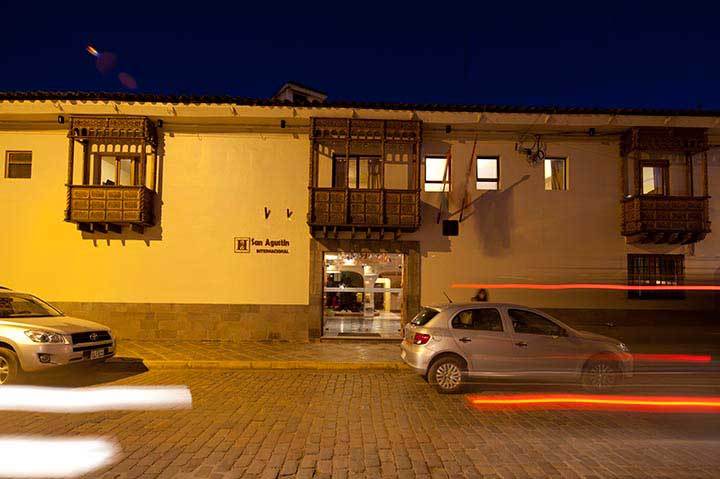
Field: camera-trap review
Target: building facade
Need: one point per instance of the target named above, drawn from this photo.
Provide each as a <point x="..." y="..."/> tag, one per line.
<point x="293" y="218"/>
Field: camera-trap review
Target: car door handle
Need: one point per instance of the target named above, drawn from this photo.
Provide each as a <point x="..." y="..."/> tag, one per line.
<point x="521" y="344"/>
<point x="465" y="340"/>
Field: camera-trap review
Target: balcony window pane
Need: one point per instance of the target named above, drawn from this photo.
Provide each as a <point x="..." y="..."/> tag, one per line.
<point x="653" y="180"/>
<point x="107" y="171"/>
<point x="555" y="174"/>
<point x="125" y="171"/>
<point x="437" y="174"/>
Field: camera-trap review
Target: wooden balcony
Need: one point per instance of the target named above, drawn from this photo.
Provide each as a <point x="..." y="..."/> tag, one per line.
<point x="665" y="219"/>
<point x="363" y="210"/>
<point x="107" y="208"/>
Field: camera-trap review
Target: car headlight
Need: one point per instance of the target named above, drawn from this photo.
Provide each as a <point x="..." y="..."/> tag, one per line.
<point x="39" y="336"/>
<point x="622" y="347"/>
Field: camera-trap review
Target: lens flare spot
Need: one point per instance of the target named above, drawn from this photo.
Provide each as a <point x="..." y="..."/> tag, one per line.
<point x="127" y="80"/>
<point x="92" y="51"/>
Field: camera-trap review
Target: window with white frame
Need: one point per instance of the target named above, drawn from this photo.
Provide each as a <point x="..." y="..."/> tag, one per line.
<point x="487" y="173"/>
<point x="18" y="164"/>
<point x="437" y="173"/>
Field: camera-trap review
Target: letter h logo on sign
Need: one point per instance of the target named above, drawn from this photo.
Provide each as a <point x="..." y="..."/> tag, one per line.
<point x="242" y="245"/>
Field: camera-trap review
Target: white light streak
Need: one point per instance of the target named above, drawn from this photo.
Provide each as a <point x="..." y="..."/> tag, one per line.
<point x="43" y="457"/>
<point x="82" y="400"/>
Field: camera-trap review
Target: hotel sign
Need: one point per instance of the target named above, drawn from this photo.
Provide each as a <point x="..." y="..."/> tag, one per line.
<point x="246" y="244"/>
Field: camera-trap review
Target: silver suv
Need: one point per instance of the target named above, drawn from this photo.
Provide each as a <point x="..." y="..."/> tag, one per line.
<point x="36" y="336"/>
<point x="451" y="343"/>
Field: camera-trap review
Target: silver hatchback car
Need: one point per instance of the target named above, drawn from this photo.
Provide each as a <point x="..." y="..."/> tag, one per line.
<point x="451" y="343"/>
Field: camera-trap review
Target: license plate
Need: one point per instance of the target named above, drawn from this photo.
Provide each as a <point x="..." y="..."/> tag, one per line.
<point x="97" y="353"/>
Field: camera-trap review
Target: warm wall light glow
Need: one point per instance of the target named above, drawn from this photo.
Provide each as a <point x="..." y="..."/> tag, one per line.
<point x="579" y="401"/>
<point x="618" y="287"/>
<point x="92" y="51"/>
<point x="80" y="400"/>
<point x="40" y="457"/>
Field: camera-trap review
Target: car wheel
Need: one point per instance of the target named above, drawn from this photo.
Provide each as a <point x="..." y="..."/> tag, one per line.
<point x="446" y="374"/>
<point x="8" y="366"/>
<point x="599" y="376"/>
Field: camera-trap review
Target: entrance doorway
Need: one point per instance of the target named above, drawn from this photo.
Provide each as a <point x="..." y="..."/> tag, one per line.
<point x="362" y="295"/>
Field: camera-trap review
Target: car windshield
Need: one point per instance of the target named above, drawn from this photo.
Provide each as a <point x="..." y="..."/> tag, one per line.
<point x="425" y="315"/>
<point x="14" y="305"/>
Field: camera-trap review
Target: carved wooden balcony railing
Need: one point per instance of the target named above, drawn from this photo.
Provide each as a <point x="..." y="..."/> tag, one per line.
<point x="364" y="209"/>
<point x="102" y="208"/>
<point x="665" y="219"/>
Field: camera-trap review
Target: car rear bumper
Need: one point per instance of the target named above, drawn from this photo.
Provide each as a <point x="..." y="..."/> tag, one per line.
<point x="38" y="357"/>
<point x="415" y="356"/>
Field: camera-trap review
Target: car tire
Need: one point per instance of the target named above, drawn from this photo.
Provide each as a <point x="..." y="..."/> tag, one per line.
<point x="447" y="375"/>
<point x="600" y="376"/>
<point x="9" y="366"/>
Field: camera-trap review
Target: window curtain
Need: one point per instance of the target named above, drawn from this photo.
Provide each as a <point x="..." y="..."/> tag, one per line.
<point x="558" y="174"/>
<point x="658" y="181"/>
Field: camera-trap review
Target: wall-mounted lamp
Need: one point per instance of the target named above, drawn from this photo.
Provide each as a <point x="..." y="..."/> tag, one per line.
<point x="267" y="212"/>
<point x="591" y="132"/>
<point x="288" y="212"/>
<point x="61" y="119"/>
<point x="160" y="123"/>
<point x="282" y="123"/>
<point x="448" y="128"/>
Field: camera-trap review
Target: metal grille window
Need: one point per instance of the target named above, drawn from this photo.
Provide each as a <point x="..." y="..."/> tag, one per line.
<point x="18" y="164"/>
<point x="656" y="270"/>
<point x="488" y="173"/>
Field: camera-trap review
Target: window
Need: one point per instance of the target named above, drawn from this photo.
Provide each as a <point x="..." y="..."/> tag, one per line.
<point x="424" y="316"/>
<point x="555" y="173"/>
<point x="362" y="172"/>
<point x="480" y="319"/>
<point x="655" y="177"/>
<point x="116" y="170"/>
<point x="18" y="164"/>
<point x="488" y="176"/>
<point x="527" y="322"/>
<point x="656" y="270"/>
<point x="437" y="173"/>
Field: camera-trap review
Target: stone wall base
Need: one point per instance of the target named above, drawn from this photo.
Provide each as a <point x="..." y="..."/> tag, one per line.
<point x="200" y="322"/>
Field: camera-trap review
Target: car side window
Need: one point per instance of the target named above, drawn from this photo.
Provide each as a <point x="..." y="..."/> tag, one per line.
<point x="478" y="319"/>
<point x="527" y="322"/>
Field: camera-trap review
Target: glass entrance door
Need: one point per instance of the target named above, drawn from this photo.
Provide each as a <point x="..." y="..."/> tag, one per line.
<point x="362" y="295"/>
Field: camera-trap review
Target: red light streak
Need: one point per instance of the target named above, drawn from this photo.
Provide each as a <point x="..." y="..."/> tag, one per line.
<point x="562" y="286"/>
<point x="570" y="401"/>
<point x="673" y="358"/>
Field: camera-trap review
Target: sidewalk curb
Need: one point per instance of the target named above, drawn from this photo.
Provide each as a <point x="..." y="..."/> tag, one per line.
<point x="237" y="364"/>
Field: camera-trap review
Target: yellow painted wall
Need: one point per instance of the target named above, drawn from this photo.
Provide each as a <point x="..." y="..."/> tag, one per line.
<point x="215" y="187"/>
<point x="217" y="181"/>
<point x="524" y="234"/>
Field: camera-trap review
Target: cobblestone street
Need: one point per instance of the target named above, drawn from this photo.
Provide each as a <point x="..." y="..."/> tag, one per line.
<point x="295" y="423"/>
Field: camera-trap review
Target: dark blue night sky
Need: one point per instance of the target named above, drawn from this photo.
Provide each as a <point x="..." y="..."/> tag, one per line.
<point x="597" y="54"/>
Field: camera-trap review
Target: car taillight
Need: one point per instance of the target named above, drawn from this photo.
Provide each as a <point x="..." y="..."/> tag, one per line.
<point x="421" y="338"/>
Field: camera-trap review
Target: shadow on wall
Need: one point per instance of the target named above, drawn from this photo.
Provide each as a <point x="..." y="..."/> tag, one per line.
<point x="493" y="219"/>
<point x="152" y="233"/>
<point x="435" y="241"/>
